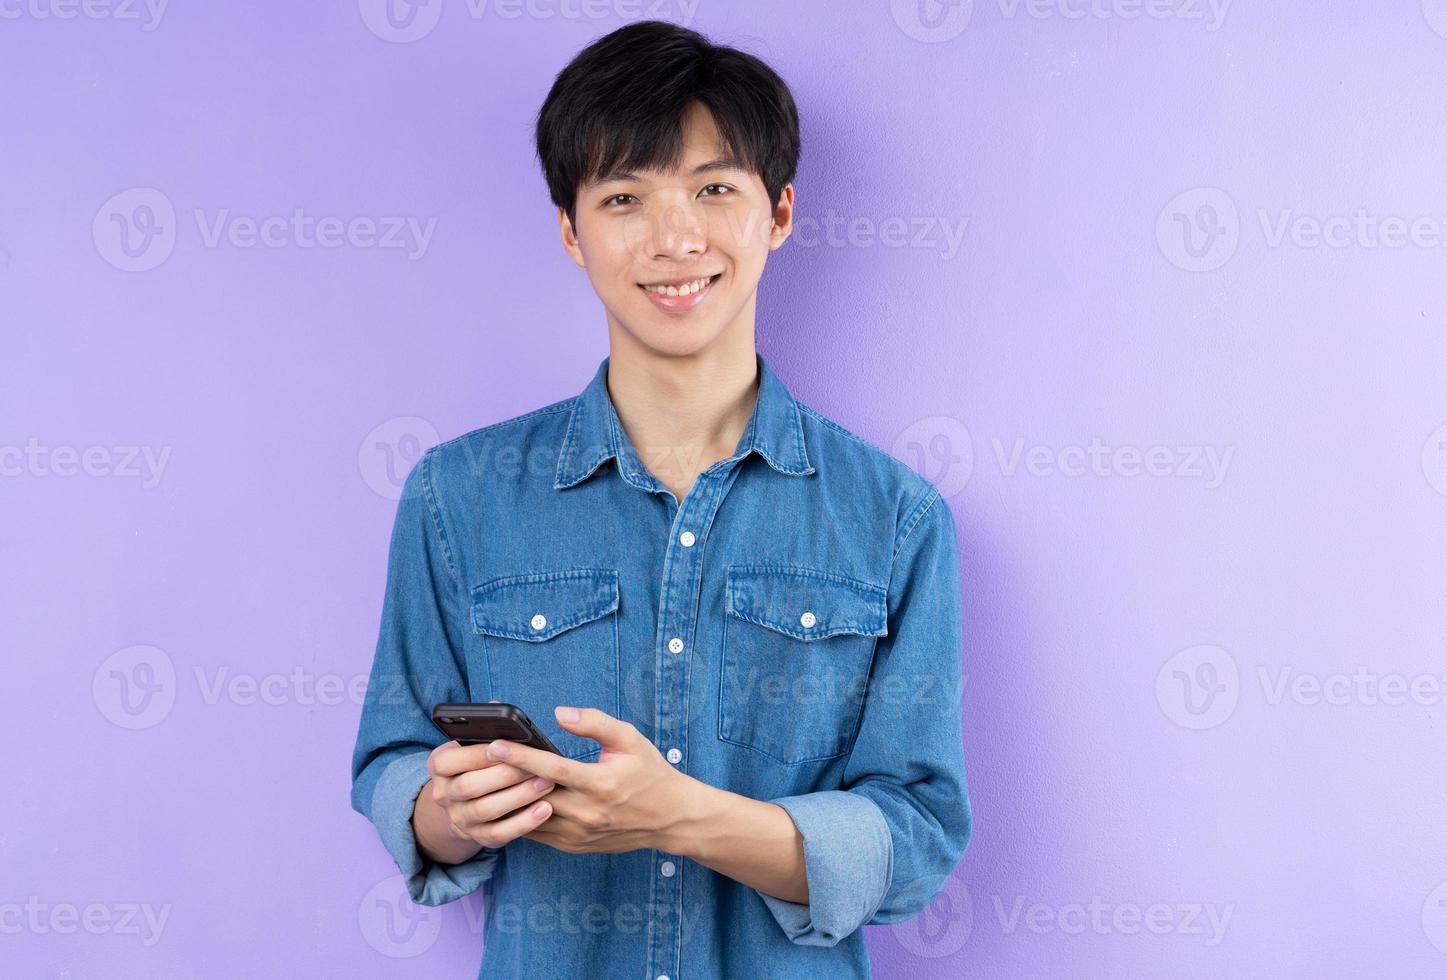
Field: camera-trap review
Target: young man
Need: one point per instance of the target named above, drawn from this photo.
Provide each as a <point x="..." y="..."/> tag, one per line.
<point x="739" y="623"/>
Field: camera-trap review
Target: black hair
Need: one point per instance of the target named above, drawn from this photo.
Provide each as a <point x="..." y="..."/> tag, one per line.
<point x="620" y="104"/>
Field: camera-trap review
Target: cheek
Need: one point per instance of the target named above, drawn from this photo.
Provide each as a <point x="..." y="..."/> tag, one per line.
<point x="604" y="261"/>
<point x="744" y="230"/>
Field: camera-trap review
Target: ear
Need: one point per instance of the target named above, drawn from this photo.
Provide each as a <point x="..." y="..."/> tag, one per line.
<point x="570" y="239"/>
<point x="783" y="218"/>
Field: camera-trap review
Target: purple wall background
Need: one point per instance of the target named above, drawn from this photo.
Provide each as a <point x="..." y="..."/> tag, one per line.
<point x="1205" y="701"/>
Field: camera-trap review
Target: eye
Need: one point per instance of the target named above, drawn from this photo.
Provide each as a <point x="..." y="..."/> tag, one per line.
<point x="609" y="201"/>
<point x="724" y="186"/>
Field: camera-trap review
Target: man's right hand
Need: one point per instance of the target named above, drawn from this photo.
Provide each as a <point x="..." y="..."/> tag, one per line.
<point x="487" y="802"/>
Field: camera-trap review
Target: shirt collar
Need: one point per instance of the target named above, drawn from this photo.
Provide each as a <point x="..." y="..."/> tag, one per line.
<point x="774" y="431"/>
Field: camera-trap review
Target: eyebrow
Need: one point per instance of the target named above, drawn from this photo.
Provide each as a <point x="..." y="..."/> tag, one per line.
<point x="723" y="163"/>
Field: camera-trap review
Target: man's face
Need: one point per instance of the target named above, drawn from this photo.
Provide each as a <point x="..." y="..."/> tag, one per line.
<point x="708" y="223"/>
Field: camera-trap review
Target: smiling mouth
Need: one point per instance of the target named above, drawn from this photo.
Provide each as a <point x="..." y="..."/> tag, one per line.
<point x="684" y="289"/>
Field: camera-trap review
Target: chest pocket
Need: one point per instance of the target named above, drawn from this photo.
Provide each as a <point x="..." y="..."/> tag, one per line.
<point x="797" y="647"/>
<point x="551" y="638"/>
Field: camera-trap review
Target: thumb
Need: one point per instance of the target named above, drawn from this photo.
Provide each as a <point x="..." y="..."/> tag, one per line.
<point x="594" y="723"/>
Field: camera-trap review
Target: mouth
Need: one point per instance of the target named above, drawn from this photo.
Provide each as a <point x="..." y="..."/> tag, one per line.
<point x="682" y="295"/>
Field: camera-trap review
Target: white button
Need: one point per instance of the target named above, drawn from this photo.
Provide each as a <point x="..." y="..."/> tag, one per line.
<point x="675" y="645"/>
<point x="674" y="755"/>
<point x="667" y="868"/>
<point x="807" y="619"/>
<point x="687" y="539"/>
<point x="662" y="976"/>
<point x="539" y="621"/>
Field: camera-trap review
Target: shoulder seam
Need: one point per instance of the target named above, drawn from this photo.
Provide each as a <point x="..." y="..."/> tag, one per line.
<point x="928" y="500"/>
<point x="837" y="427"/>
<point x="435" y="512"/>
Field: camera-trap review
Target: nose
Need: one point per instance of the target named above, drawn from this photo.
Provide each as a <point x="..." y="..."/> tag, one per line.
<point x="675" y="231"/>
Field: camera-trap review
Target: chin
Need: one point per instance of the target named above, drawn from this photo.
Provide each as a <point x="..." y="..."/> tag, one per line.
<point x="674" y="340"/>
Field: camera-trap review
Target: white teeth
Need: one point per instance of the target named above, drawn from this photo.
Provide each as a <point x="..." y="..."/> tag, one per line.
<point x="687" y="289"/>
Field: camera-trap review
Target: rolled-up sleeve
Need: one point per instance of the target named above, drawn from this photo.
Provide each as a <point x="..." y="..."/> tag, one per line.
<point x="419" y="662"/>
<point x="880" y="847"/>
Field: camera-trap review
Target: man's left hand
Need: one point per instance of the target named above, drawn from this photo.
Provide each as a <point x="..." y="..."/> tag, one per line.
<point x="631" y="798"/>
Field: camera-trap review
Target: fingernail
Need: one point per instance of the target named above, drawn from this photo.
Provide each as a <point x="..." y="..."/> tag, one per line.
<point x="567" y="714"/>
<point x="541" y="810"/>
<point x="540" y="783"/>
<point x="498" y="750"/>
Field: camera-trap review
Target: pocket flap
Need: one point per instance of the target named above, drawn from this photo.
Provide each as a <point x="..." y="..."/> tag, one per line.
<point x="805" y="603"/>
<point x="540" y="605"/>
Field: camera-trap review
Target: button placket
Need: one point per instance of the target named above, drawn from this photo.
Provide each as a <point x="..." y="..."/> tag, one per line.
<point x="683" y="580"/>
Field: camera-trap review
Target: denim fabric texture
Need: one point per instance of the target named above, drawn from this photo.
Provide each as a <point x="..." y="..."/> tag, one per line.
<point x="790" y="631"/>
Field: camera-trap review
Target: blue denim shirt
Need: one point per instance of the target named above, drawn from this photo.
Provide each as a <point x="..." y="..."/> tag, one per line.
<point x="790" y="631"/>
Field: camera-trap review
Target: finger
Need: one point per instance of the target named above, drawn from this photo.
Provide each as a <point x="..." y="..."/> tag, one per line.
<point x="549" y="765"/>
<point x="481" y="782"/>
<point x="597" y="724"/>
<point x="453" y="759"/>
<point x="499" y="832"/>
<point x="495" y="806"/>
<point x="570" y="804"/>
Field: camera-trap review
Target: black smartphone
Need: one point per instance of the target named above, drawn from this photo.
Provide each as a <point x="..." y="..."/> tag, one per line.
<point x="471" y="724"/>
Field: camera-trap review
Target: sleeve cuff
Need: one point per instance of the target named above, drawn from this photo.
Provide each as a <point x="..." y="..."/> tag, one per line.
<point x="848" y="860"/>
<point x="428" y="882"/>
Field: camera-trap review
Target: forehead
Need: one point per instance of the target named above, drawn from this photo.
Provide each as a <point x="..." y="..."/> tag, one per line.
<point x="704" y="153"/>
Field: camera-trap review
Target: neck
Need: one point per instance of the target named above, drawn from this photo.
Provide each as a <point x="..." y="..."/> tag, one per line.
<point x="682" y="414"/>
